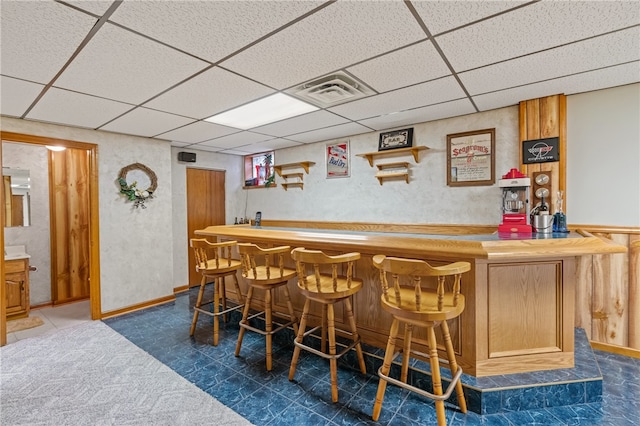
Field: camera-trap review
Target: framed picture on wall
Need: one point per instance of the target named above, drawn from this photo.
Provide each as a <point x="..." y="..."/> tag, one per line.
<point x="338" y="159"/>
<point x="471" y="158"/>
<point x="395" y="139"/>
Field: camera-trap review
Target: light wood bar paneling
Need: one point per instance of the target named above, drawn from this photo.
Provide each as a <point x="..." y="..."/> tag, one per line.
<point x="504" y="272"/>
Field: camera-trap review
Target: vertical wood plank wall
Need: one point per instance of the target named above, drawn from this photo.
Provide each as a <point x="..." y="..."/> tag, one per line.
<point x="608" y="291"/>
<point x="546" y="118"/>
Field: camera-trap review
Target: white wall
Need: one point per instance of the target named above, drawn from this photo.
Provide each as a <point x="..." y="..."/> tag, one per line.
<point x="603" y="157"/>
<point x="136" y="248"/>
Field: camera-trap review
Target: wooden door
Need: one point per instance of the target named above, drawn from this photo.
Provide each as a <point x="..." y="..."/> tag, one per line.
<point x="205" y="207"/>
<point x="70" y="225"/>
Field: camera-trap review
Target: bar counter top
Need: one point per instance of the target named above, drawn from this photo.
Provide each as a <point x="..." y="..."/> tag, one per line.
<point x="483" y="246"/>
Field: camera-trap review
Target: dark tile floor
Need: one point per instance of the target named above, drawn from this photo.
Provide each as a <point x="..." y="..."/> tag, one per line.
<point x="269" y="398"/>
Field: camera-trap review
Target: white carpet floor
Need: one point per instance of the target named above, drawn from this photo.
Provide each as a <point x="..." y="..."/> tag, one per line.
<point x="90" y="375"/>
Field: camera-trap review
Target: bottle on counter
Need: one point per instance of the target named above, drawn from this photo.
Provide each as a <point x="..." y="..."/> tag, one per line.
<point x="559" y="218"/>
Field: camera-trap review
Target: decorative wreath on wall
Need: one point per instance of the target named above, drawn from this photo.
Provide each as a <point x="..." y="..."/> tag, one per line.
<point x="143" y="183"/>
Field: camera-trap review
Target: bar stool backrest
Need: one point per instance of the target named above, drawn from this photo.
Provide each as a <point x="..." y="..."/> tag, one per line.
<point x="309" y="263"/>
<point x="262" y="263"/>
<point x="212" y="255"/>
<point x="395" y="268"/>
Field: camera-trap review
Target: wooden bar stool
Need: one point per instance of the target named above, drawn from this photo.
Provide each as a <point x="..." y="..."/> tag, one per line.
<point x="416" y="306"/>
<point x="264" y="270"/>
<point x="327" y="289"/>
<point x="214" y="262"/>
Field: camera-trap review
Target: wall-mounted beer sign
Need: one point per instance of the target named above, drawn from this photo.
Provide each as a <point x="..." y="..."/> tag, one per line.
<point x="541" y="151"/>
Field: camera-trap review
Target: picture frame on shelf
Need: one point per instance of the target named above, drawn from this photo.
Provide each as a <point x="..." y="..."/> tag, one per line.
<point x="337" y="159"/>
<point x="396" y="139"/>
<point x="471" y="158"/>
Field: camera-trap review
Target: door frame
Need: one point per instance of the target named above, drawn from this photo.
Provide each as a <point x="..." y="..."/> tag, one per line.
<point x="94" y="227"/>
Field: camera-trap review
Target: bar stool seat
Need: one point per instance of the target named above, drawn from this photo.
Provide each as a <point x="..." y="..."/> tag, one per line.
<point x="264" y="270"/>
<point x="415" y="306"/>
<point x="214" y="262"/>
<point x="326" y="289"/>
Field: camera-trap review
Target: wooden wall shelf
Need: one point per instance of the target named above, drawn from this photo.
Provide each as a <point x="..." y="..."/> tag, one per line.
<point x="398" y="170"/>
<point x="299" y="175"/>
<point x="413" y="150"/>
<point x="303" y="164"/>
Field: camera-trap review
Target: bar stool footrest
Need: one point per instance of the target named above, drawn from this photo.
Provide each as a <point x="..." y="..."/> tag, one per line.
<point x="445" y="396"/>
<point x="260" y="315"/>
<point x="213" y="314"/>
<point x="322" y="354"/>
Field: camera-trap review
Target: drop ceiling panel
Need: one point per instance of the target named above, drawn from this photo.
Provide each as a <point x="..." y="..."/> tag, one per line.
<point x="198" y="132"/>
<point x="39" y="37"/>
<point x="585" y="82"/>
<point x="270" y="145"/>
<point x="209" y="93"/>
<point x="104" y="68"/>
<point x="440" y="16"/>
<point x="340" y="131"/>
<point x="535" y="27"/>
<point x="97" y="7"/>
<point x="76" y="109"/>
<point x="419" y="115"/>
<point x="598" y="52"/>
<point x="209" y="30"/>
<point x="17" y="95"/>
<point x="235" y="140"/>
<point x="404" y="67"/>
<point x="433" y="92"/>
<point x="146" y="122"/>
<point x="301" y="123"/>
<point x="330" y="39"/>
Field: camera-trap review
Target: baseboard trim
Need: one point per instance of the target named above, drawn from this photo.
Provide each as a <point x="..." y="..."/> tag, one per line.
<point x="181" y="289"/>
<point x="620" y="350"/>
<point x="138" y="307"/>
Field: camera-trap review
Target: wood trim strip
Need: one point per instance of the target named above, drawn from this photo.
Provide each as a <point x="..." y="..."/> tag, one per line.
<point x="606" y="229"/>
<point x="614" y="349"/>
<point x="138" y="307"/>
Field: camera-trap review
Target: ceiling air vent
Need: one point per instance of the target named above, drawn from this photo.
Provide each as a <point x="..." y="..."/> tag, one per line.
<point x="331" y="90"/>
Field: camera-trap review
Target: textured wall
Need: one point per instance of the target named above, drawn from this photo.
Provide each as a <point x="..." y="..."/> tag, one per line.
<point x="136" y="248"/>
<point x="360" y="197"/>
<point x="35" y="237"/>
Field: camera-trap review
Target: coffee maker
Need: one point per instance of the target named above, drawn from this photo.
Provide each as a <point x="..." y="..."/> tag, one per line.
<point x="515" y="203"/>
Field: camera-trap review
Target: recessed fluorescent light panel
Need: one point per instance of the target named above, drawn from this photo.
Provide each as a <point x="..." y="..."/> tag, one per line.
<point x="263" y="111"/>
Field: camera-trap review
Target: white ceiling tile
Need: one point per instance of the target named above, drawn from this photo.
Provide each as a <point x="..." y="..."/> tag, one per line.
<point x="420" y="115"/>
<point x="329" y="133"/>
<point x="17" y="95"/>
<point x="441" y="16"/>
<point x="179" y="144"/>
<point x="270" y="145"/>
<point x="97" y="7"/>
<point x="201" y="147"/>
<point x="76" y="109"/>
<point x="536" y="27"/>
<point x="134" y="74"/>
<point x="198" y="132"/>
<point x="39" y="37"/>
<point x="209" y="93"/>
<point x="411" y="65"/>
<point x="146" y="122"/>
<point x="433" y="92"/>
<point x="598" y="52"/>
<point x="330" y="39"/>
<point x="209" y="30"/>
<point x="585" y="82"/>
<point x="301" y="123"/>
<point x="236" y="140"/>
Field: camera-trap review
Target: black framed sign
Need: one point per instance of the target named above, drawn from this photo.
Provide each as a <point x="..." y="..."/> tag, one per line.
<point x="396" y="139"/>
<point x="541" y="151"/>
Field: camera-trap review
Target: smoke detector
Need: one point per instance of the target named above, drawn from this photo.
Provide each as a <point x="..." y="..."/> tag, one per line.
<point x="331" y="90"/>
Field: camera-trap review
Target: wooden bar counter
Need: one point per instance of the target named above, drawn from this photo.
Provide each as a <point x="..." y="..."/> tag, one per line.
<point x="520" y="292"/>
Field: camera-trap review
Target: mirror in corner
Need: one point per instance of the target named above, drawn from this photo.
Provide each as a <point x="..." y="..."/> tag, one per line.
<point x="17" y="184"/>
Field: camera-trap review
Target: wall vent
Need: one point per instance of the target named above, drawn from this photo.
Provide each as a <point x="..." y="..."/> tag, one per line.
<point x="331" y="90"/>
